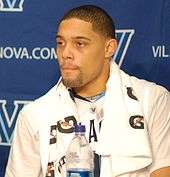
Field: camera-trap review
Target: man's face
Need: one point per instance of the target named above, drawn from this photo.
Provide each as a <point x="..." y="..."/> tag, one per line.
<point x="80" y="53"/>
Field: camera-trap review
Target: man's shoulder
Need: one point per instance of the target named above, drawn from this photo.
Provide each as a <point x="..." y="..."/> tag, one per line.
<point x="42" y="105"/>
<point x="41" y="111"/>
<point x="143" y="87"/>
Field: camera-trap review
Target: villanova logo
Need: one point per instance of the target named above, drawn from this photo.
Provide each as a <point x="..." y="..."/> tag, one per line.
<point x="11" y="5"/>
<point x="124" y="37"/>
<point x="8" y="117"/>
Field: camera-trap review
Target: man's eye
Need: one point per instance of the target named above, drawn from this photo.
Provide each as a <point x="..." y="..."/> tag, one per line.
<point x="60" y="43"/>
<point x="80" y="44"/>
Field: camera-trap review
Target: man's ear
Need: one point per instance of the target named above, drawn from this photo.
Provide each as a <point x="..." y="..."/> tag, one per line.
<point x="110" y="48"/>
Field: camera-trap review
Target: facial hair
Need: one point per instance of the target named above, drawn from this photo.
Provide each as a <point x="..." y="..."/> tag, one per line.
<point x="73" y="82"/>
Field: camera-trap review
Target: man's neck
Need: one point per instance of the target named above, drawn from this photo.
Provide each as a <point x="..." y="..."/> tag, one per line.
<point x="88" y="92"/>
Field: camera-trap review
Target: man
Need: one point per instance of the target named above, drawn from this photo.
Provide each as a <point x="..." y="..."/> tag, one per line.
<point x="117" y="109"/>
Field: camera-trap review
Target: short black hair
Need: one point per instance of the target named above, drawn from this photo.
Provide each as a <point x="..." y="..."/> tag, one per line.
<point x="101" y="22"/>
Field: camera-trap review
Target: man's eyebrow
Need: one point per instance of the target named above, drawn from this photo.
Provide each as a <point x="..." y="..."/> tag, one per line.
<point x="76" y="37"/>
<point x="82" y="37"/>
<point x="58" y="36"/>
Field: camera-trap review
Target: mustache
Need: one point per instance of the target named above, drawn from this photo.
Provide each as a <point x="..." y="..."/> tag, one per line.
<point x="68" y="66"/>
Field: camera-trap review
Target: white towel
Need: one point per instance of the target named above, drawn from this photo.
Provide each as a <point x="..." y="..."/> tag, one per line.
<point x="123" y="134"/>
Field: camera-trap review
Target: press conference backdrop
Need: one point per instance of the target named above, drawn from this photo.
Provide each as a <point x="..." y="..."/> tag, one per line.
<point x="28" y="67"/>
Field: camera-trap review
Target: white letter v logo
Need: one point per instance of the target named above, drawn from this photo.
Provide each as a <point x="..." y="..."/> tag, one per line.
<point x="11" y="5"/>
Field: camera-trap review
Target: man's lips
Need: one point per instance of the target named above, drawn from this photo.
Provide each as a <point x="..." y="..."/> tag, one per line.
<point x="69" y="67"/>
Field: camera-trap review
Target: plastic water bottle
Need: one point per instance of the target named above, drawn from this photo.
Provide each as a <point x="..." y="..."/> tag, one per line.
<point x="79" y="156"/>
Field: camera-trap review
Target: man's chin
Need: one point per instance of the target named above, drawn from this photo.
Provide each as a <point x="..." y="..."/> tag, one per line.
<point x="71" y="83"/>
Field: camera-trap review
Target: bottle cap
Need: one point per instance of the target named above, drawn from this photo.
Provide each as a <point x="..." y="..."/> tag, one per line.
<point x="80" y="128"/>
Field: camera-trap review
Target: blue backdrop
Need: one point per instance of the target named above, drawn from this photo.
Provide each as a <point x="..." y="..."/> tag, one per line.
<point x="27" y="40"/>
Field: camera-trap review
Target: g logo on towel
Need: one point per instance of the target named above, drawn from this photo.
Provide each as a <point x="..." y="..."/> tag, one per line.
<point x="131" y="94"/>
<point x="137" y="122"/>
<point x="67" y="126"/>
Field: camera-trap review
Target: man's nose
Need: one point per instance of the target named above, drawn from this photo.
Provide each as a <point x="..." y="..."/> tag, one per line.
<point x="67" y="52"/>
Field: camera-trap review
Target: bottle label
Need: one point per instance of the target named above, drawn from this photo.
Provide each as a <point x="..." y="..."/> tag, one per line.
<point x="76" y="173"/>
